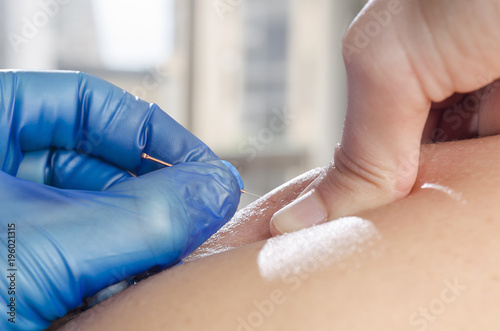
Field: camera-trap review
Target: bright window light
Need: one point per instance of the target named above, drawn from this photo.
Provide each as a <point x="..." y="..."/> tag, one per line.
<point x="134" y="35"/>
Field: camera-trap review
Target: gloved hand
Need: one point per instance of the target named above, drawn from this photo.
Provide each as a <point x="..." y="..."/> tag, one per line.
<point x="93" y="224"/>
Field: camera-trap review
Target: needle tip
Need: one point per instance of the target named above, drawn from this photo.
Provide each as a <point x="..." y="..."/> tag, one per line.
<point x="255" y="195"/>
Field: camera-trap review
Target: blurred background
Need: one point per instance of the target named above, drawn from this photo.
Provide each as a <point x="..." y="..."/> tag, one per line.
<point x="262" y="82"/>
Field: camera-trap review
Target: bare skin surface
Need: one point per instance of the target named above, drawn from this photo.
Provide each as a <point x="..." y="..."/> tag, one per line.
<point x="251" y="223"/>
<point x="434" y="268"/>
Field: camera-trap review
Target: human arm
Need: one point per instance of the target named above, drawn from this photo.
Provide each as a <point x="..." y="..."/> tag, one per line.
<point x="431" y="264"/>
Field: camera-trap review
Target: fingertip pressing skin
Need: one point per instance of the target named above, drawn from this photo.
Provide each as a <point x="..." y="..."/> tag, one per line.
<point x="304" y="212"/>
<point x="251" y="223"/>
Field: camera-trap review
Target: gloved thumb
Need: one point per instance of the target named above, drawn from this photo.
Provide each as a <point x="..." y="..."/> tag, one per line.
<point x="194" y="199"/>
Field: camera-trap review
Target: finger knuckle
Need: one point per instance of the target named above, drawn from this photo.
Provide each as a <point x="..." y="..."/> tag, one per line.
<point x="355" y="170"/>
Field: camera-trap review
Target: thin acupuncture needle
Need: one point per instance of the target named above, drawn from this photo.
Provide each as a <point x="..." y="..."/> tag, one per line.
<point x="148" y="157"/>
<point x="255" y="195"/>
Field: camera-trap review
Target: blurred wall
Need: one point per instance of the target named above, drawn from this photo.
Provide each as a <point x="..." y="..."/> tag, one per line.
<point x="261" y="82"/>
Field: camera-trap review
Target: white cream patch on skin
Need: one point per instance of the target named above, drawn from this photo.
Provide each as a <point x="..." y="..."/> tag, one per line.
<point x="311" y="249"/>
<point x="455" y="195"/>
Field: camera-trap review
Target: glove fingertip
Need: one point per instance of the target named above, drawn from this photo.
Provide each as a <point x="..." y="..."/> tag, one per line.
<point x="235" y="173"/>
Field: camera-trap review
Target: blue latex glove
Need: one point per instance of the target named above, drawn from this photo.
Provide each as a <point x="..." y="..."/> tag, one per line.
<point x="93" y="224"/>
